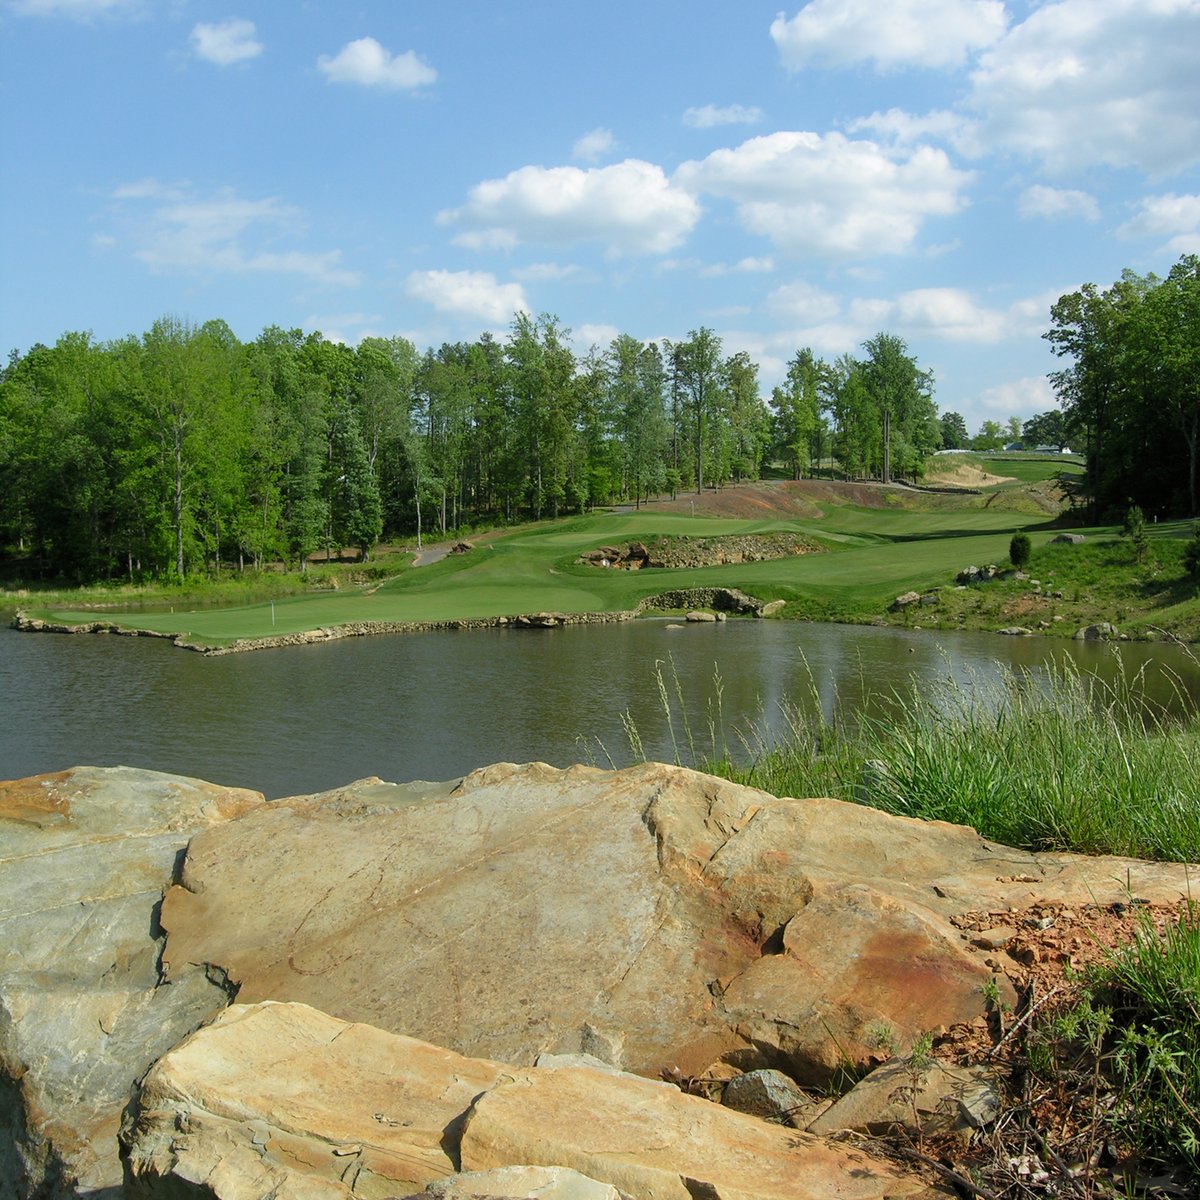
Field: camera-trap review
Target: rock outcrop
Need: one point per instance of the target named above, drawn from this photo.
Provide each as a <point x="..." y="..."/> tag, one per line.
<point x="661" y="921"/>
<point x="281" y="1100"/>
<point x="654" y="917"/>
<point x="85" y="857"/>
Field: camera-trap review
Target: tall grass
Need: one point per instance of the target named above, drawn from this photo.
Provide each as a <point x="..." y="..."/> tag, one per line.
<point x="1060" y="761"/>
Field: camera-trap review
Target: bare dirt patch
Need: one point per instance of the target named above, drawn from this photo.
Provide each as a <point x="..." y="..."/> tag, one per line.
<point x="967" y="476"/>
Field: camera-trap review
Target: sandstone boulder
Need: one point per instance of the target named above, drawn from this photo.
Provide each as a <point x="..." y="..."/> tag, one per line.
<point x="282" y="1100"/>
<point x="85" y="856"/>
<point x="655" y="917"/>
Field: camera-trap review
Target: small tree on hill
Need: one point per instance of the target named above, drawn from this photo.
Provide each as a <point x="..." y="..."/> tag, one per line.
<point x="1134" y="529"/>
<point x="1019" y="549"/>
<point x="1191" y="554"/>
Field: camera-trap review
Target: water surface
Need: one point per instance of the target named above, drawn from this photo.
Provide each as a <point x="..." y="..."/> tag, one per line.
<point x="437" y="705"/>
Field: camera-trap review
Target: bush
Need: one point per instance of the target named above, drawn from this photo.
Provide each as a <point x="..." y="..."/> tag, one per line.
<point x="1019" y="549"/>
<point x="1191" y="555"/>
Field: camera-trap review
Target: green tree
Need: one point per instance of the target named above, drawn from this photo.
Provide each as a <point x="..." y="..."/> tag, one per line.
<point x="699" y="366"/>
<point x="1019" y="549"/>
<point x="903" y="396"/>
<point x="797" y="410"/>
<point x="954" y="431"/>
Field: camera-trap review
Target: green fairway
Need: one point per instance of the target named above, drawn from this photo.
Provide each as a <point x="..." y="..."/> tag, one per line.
<point x="870" y="554"/>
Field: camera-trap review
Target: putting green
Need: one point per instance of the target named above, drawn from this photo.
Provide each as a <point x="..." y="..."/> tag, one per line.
<point x="871" y="555"/>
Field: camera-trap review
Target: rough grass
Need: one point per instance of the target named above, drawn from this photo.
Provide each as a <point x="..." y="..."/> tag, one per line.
<point x="1057" y="761"/>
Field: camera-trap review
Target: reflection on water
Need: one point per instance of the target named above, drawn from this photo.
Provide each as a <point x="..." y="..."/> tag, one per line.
<point x="436" y="705"/>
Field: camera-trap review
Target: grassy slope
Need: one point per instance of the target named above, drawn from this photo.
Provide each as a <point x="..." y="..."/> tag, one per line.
<point x="898" y="542"/>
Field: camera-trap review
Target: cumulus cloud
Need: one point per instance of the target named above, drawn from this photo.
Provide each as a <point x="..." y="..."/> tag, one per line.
<point x="803" y="304"/>
<point x="1019" y="397"/>
<point x="593" y="337"/>
<point x="630" y="207"/>
<point x="1176" y="218"/>
<point x="1041" y="201"/>
<point x="900" y="33"/>
<point x="366" y="62"/>
<point x="468" y="294"/>
<point x="180" y="234"/>
<point x="226" y="42"/>
<point x="1087" y="82"/>
<point x="594" y="146"/>
<point x="709" y="116"/>
<point x="830" y="195"/>
<point x="903" y="128"/>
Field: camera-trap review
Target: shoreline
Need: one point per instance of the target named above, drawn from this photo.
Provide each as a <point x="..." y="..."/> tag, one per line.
<point x="723" y="600"/>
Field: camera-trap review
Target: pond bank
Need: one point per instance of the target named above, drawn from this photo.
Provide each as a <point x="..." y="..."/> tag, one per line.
<point x="723" y="600"/>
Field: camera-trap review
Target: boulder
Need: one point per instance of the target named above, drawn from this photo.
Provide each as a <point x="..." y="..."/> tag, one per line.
<point x="1068" y="539"/>
<point x="925" y="1098"/>
<point x="699" y="615"/>
<point x="772" y="607"/>
<point x="856" y="963"/>
<point x="271" y="1095"/>
<point x="85" y="856"/>
<point x="1100" y="632"/>
<point x="906" y="600"/>
<point x="768" y="1094"/>
<point x="282" y="1100"/>
<point x="674" y="1147"/>
<point x="654" y="917"/>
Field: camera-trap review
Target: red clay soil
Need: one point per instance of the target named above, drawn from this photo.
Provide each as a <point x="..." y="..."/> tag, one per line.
<point x="772" y="499"/>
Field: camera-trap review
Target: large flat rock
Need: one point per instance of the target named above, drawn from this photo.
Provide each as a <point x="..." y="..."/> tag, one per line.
<point x="655" y="917"/>
<point x="285" y="1101"/>
<point x="85" y="856"/>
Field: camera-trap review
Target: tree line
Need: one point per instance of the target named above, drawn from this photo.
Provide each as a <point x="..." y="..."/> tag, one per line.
<point x="185" y="450"/>
<point x="1130" y="389"/>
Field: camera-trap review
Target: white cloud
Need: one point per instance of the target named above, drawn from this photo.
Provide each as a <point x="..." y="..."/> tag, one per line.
<point x="1176" y="218"/>
<point x="830" y="195"/>
<point x="803" y="304"/>
<point x="366" y="62"/>
<point x="468" y="294"/>
<point x="898" y="33"/>
<point x="1087" y="82"/>
<point x="709" y="116"/>
<point x="206" y="237"/>
<point x="1018" y="398"/>
<point x="1041" y="201"/>
<point x="594" y="146"/>
<point x="904" y="128"/>
<point x="600" y="337"/>
<point x="226" y="42"/>
<point x="630" y="207"/>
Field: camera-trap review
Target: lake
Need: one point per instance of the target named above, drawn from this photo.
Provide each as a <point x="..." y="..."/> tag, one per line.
<point x="437" y="705"/>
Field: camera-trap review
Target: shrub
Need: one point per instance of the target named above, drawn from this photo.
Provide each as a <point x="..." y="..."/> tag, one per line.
<point x="1019" y="549"/>
<point x="1191" y="555"/>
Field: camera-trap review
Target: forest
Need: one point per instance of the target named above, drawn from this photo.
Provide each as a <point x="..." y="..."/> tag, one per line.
<point x="185" y="451"/>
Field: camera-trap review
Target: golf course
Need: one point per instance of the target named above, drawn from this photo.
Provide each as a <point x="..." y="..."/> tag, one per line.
<point x="864" y="545"/>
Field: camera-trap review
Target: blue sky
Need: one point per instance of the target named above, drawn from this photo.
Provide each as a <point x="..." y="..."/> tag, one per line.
<point x="805" y="176"/>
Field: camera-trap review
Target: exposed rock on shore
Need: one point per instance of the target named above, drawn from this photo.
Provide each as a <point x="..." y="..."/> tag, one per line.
<point x="665" y="922"/>
<point x="723" y="599"/>
<point x="85" y="856"/>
